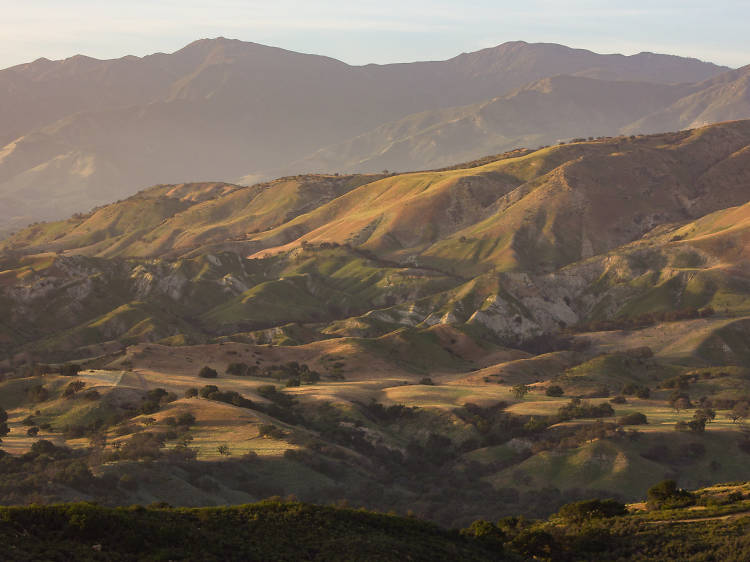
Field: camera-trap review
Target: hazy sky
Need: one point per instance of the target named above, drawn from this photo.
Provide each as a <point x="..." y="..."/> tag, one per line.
<point x="362" y="31"/>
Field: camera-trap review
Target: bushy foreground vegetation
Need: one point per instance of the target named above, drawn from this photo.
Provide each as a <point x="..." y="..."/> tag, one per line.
<point x="715" y="528"/>
<point x="266" y="531"/>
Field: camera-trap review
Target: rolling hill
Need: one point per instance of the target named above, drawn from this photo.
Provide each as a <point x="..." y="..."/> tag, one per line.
<point x="497" y="337"/>
<point x="586" y="224"/>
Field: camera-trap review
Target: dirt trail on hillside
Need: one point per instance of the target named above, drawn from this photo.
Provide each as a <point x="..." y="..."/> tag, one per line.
<point x="698" y="520"/>
<point x="126" y="380"/>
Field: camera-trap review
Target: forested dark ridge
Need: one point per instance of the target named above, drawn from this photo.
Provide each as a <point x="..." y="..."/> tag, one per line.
<point x="674" y="524"/>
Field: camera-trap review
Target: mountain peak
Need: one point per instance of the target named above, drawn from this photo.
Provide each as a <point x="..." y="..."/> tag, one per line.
<point x="208" y="44"/>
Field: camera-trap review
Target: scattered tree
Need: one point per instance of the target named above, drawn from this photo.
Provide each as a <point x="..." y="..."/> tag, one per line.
<point x="706" y="414"/>
<point x="740" y="411"/>
<point x="520" y="390"/>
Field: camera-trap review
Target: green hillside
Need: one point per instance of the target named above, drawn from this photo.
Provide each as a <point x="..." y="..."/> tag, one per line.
<point x="493" y="339"/>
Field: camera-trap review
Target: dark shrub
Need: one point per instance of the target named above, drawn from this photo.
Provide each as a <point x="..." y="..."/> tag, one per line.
<point x="554" y="390"/>
<point x="485" y="532"/>
<point x="238" y="369"/>
<point x="186" y="419"/>
<point x="4" y="429"/>
<point x="72" y="388"/>
<point x="636" y="418"/>
<point x="637" y="390"/>
<point x="579" y="512"/>
<point x="44" y="447"/>
<point x="208" y="373"/>
<point x="577" y="409"/>
<point x="208" y="390"/>
<point x="144" y="445"/>
<point x="666" y="495"/>
<point x="643" y="393"/>
<point x="70" y="370"/>
<point x="270" y="430"/>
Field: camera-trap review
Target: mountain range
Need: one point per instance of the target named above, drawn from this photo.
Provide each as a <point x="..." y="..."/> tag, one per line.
<point x="81" y="132"/>
<point x="462" y="289"/>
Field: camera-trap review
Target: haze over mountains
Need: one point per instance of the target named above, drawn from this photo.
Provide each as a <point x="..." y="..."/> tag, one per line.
<point x="83" y="132"/>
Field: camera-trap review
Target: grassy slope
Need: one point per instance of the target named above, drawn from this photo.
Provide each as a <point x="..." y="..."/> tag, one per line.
<point x="474" y="218"/>
<point x="536" y="211"/>
<point x="167" y="219"/>
<point x="532" y="212"/>
<point x="534" y="199"/>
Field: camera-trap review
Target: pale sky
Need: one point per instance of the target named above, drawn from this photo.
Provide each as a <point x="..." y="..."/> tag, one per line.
<point x="381" y="31"/>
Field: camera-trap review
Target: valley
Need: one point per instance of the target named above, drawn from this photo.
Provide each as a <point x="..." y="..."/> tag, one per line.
<point x="498" y="338"/>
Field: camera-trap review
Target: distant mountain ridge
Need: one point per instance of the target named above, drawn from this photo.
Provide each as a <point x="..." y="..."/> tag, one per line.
<point x="725" y="97"/>
<point x="81" y="132"/>
<point x="543" y="112"/>
<point x="83" y="83"/>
